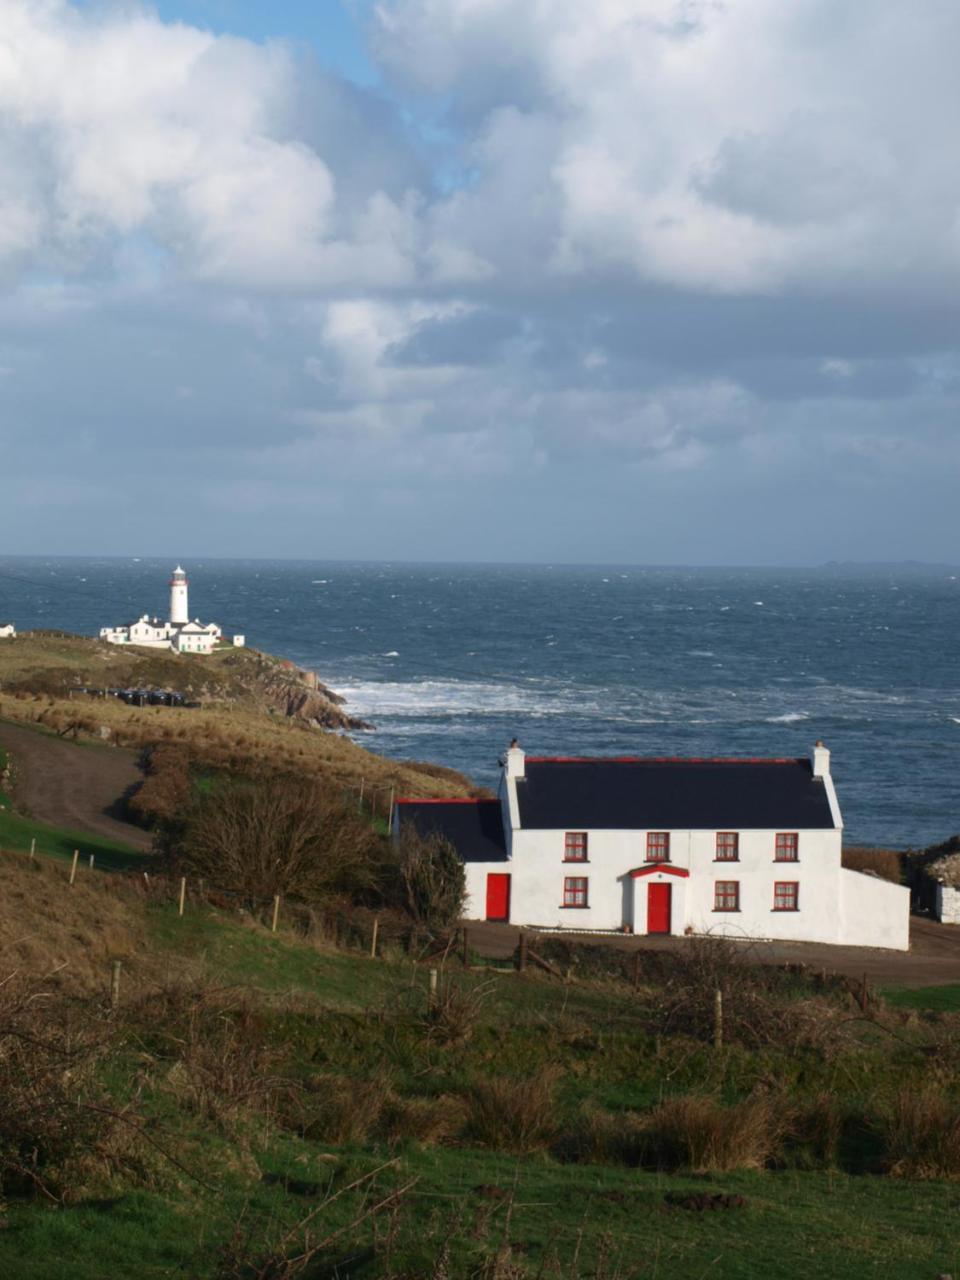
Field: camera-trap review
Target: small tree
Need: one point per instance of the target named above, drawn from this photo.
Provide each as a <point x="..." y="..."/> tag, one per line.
<point x="432" y="878"/>
<point x="277" y="835"/>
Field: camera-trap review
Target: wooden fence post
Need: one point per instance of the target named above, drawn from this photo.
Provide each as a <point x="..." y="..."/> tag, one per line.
<point x="115" y="984"/>
<point x="91" y="862"/>
<point x="522" y="952"/>
<point x="433" y="989"/>
<point x="183" y="894"/>
<point x="390" y="811"/>
<point x="73" y="865"/>
<point x="360" y="800"/>
<point x="276" y="913"/>
<point x="373" y="940"/>
<point x="718" y="1019"/>
<point x="33" y="848"/>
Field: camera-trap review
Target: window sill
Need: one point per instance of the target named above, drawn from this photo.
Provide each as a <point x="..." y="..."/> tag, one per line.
<point x="785" y="910"/>
<point x="574" y="906"/>
<point x="726" y="911"/>
<point x="733" y="861"/>
<point x="576" y="862"/>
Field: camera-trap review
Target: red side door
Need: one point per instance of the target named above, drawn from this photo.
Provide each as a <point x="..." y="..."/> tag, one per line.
<point x="658" y="908"/>
<point x="498" y="896"/>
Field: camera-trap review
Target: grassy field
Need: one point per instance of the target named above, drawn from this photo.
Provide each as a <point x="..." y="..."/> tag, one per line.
<point x="520" y="1127"/>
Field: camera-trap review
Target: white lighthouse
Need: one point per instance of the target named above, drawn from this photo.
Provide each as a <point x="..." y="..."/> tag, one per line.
<point x="179" y="614"/>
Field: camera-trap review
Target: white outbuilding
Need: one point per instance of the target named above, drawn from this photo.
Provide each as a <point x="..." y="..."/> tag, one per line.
<point x="746" y="848"/>
<point x="7" y="631"/>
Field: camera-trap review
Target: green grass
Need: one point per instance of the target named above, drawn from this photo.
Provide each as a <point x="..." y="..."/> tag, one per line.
<point x="16" y="834"/>
<point x="944" y="999"/>
<point x="332" y="1013"/>
<point x="829" y="1225"/>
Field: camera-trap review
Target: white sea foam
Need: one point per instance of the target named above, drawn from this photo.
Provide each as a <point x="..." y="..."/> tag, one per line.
<point x="391" y="653"/>
<point x="789" y="717"/>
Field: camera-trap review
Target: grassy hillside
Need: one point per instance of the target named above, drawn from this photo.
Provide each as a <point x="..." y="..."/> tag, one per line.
<point x="255" y="1098"/>
<point x="255" y="709"/>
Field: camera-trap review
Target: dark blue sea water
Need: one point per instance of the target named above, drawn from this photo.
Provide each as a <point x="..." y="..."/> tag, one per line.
<point x="450" y="662"/>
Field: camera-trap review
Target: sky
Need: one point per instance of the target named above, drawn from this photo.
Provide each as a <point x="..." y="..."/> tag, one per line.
<point x="633" y="281"/>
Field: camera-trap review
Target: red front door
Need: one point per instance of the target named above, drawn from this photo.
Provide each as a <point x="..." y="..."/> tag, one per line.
<point x="498" y="896"/>
<point x="658" y="908"/>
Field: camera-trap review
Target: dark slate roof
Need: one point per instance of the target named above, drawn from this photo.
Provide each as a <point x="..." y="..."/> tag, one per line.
<point x="662" y="795"/>
<point x="473" y="827"/>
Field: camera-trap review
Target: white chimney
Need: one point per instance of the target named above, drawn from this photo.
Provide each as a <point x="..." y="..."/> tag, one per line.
<point x="516" y="760"/>
<point x="821" y="761"/>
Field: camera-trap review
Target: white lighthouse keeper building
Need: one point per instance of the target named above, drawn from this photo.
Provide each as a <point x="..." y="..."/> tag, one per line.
<point x="179" y="609"/>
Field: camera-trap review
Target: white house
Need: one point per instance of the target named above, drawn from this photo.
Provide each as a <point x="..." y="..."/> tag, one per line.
<point x="179" y="634"/>
<point x="746" y="848"/>
<point x="7" y="631"/>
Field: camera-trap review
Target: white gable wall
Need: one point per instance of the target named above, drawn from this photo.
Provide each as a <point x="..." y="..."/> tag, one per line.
<point x="873" y="912"/>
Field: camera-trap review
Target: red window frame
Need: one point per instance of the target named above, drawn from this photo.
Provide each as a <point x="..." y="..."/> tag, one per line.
<point x="575" y="846"/>
<point x="658" y="846"/>
<point x="576" y="891"/>
<point x="726" y="895"/>
<point x="728" y="846"/>
<point x="787" y="847"/>
<point x="786" y="895"/>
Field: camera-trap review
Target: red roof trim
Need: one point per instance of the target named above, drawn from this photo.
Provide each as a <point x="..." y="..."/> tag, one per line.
<point x="667" y="760"/>
<point x="447" y="800"/>
<point x="659" y="866"/>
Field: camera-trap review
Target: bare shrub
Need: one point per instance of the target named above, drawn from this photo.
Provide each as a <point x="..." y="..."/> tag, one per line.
<point x="226" y="1071"/>
<point x="759" y="1004"/>
<point x="507" y="1114"/>
<point x="56" y="1122"/>
<point x="431" y="876"/>
<point x="277" y="835"/>
<point x="454" y="1013"/>
<point x="920" y="1130"/>
<point x="165" y="791"/>
<point x="885" y="863"/>
<point x="697" y="1133"/>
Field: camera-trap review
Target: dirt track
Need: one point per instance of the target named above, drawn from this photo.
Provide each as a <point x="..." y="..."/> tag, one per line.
<point x="77" y="787"/>
<point x="932" y="961"/>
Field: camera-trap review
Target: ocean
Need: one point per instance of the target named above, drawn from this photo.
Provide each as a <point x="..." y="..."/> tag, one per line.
<point x="449" y="662"/>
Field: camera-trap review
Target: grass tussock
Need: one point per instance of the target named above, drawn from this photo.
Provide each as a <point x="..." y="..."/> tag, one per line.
<point x="697" y="1133"/>
<point x="920" y="1132"/>
<point x="516" y="1115"/>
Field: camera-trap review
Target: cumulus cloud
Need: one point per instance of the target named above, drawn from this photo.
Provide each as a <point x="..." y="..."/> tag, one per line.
<point x="738" y="147"/>
<point x="118" y="124"/>
<point x="649" y="260"/>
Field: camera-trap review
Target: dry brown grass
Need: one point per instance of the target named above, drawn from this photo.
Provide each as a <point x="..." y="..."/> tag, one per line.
<point x="233" y="738"/>
<point x="696" y="1132"/>
<point x="885" y="863"/>
<point x="508" y="1114"/>
<point x="68" y="934"/>
<point x="920" y="1128"/>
